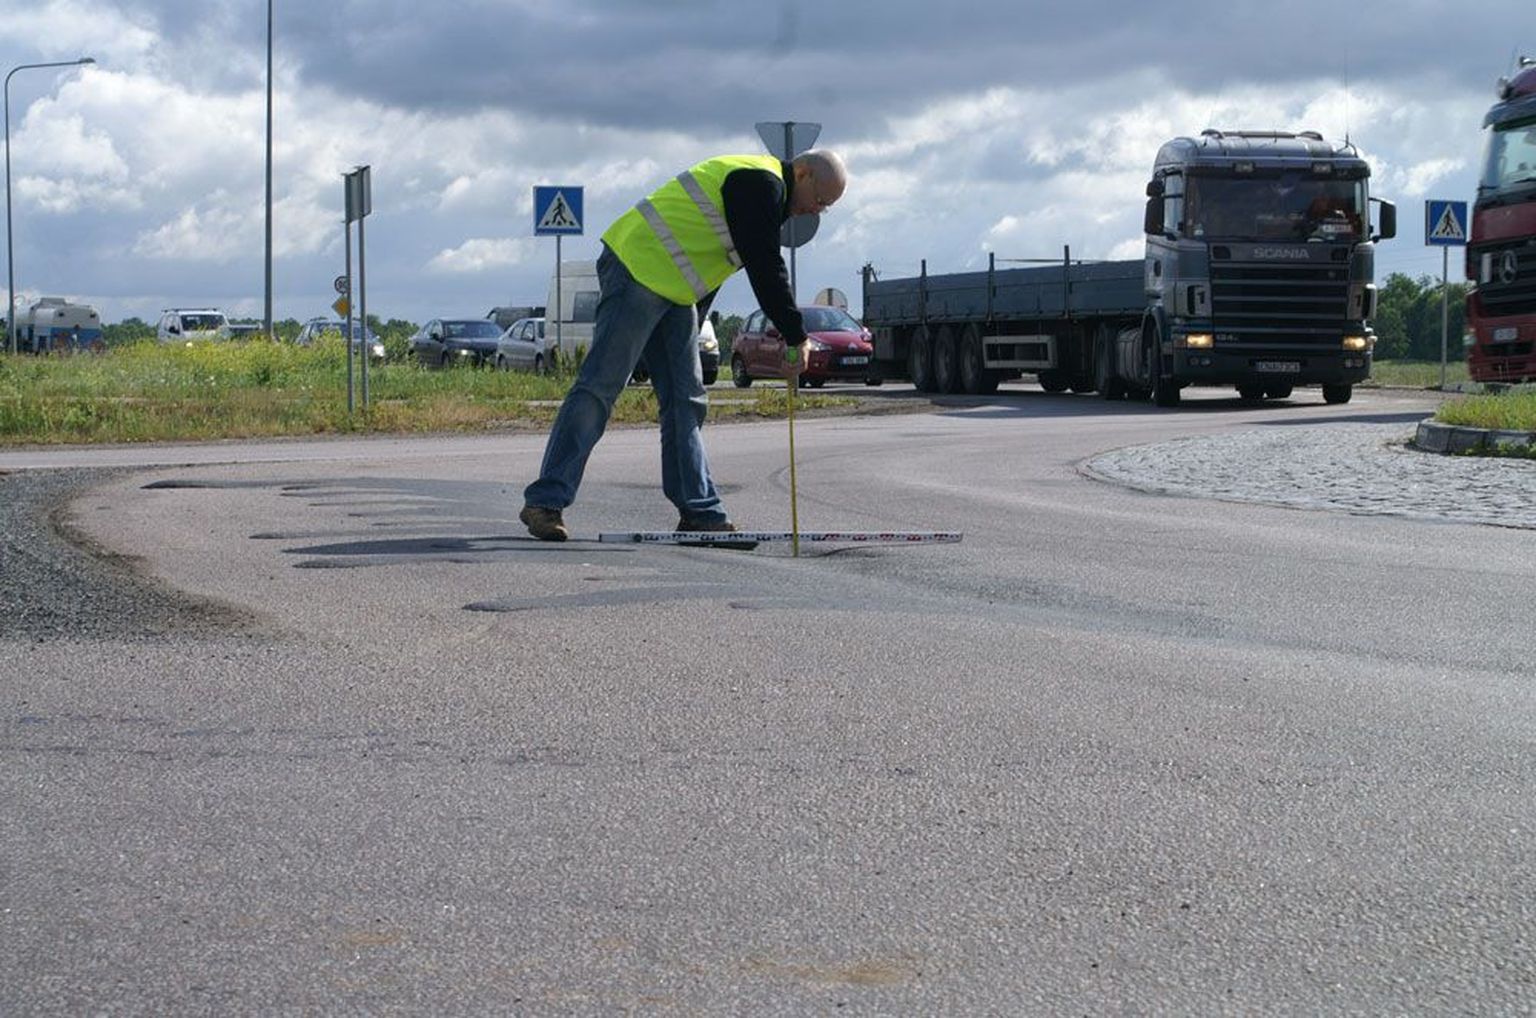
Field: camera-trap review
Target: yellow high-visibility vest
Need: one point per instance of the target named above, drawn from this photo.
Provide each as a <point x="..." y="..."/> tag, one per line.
<point x="675" y="242"/>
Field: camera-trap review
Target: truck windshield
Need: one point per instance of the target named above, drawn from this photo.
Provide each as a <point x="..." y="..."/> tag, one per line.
<point x="1510" y="159"/>
<point x="1285" y="207"/>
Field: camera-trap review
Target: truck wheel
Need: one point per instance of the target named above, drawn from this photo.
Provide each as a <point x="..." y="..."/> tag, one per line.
<point x="920" y="360"/>
<point x="1277" y="391"/>
<point x="1081" y="384"/>
<point x="946" y="361"/>
<point x="1338" y="393"/>
<point x="1104" y="377"/>
<point x="739" y="373"/>
<point x="1251" y="392"/>
<point x="975" y="377"/>
<point x="711" y="377"/>
<point x="1165" y="391"/>
<point x="1054" y="381"/>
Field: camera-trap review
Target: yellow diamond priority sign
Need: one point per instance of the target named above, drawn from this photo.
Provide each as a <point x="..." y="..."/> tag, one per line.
<point x="341" y="307"/>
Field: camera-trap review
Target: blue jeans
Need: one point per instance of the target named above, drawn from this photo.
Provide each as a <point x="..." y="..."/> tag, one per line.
<point x="633" y="322"/>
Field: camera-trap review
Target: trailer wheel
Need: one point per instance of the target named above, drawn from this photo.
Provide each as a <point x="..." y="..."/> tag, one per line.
<point x="739" y="372"/>
<point x="974" y="376"/>
<point x="1338" y="393"/>
<point x="920" y="360"/>
<point x="946" y="361"/>
<point x="1105" y="379"/>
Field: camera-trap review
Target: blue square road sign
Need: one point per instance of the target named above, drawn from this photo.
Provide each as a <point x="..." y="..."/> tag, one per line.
<point x="556" y="210"/>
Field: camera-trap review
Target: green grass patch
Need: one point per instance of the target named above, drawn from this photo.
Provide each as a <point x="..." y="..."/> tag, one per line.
<point x="175" y="392"/>
<point x="1415" y="374"/>
<point x="1512" y="410"/>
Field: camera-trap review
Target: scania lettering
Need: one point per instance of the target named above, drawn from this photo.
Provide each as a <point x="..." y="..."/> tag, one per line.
<point x="1258" y="273"/>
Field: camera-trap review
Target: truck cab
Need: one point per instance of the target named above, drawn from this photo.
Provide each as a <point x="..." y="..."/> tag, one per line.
<point x="1259" y="267"/>
<point x="1501" y="254"/>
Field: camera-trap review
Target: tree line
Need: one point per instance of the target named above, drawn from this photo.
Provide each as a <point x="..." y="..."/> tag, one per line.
<point x="1407" y="321"/>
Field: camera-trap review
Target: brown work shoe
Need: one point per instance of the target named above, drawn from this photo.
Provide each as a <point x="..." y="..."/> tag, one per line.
<point x="712" y="527"/>
<point x="545" y="524"/>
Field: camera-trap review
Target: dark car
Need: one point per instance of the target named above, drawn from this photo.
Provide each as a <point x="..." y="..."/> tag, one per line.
<point x="839" y="349"/>
<point x="443" y="342"/>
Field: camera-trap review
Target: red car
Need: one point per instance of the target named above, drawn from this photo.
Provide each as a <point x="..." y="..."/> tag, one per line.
<point x="840" y="349"/>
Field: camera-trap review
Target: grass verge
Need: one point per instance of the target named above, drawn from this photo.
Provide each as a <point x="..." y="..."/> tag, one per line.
<point x="1512" y="410"/>
<point x="150" y="391"/>
<point x="1415" y="374"/>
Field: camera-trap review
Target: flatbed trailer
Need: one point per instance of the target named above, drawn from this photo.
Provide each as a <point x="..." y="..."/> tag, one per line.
<point x="968" y="331"/>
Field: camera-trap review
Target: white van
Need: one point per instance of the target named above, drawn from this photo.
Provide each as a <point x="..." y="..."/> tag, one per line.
<point x="577" y="311"/>
<point x="570" y="315"/>
<point x="189" y="324"/>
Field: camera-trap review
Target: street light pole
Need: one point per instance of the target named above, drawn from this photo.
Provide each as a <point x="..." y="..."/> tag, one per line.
<point x="267" y="317"/>
<point x="10" y="259"/>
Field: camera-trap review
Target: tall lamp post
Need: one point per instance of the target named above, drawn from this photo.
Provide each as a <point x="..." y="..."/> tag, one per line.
<point x="267" y="314"/>
<point x="10" y="259"/>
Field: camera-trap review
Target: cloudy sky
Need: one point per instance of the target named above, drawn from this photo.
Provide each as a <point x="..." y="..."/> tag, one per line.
<point x="995" y="125"/>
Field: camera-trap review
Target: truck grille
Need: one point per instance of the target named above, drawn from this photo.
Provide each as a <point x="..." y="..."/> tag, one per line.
<point x="1309" y="302"/>
<point x="1506" y="292"/>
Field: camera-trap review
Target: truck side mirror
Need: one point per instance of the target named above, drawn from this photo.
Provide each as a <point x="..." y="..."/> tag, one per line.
<point x="1152" y="222"/>
<point x="1155" y="188"/>
<point x="1386" y="225"/>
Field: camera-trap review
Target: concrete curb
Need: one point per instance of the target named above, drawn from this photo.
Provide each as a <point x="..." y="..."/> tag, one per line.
<point x="1454" y="440"/>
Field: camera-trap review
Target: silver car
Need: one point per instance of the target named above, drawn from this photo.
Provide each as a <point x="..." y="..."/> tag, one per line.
<point x="525" y="347"/>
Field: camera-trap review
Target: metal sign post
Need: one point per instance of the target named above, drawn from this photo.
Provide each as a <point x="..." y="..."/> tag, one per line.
<point x="1445" y="227"/>
<point x="358" y="187"/>
<point x="787" y="139"/>
<point x="557" y="211"/>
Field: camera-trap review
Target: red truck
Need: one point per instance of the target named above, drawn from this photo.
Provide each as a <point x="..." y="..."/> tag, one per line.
<point x="1501" y="254"/>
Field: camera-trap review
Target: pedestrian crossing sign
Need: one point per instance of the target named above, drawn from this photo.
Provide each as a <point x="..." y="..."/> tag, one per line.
<point x="556" y="210"/>
<point x="1445" y="223"/>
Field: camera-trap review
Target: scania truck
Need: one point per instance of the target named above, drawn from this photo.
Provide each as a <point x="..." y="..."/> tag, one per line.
<point x="1501" y="253"/>
<point x="1258" y="273"/>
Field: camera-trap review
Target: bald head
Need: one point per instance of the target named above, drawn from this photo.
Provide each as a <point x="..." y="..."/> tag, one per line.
<point x="820" y="178"/>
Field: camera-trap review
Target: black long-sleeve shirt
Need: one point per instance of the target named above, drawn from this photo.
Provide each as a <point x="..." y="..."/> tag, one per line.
<point x="756" y="206"/>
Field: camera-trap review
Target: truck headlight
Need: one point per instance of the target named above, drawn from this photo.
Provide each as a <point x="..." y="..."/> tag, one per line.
<point x="1356" y="343"/>
<point x="709" y="344"/>
<point x="1195" y="341"/>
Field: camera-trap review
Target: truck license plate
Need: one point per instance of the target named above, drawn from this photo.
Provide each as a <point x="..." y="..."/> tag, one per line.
<point x="1279" y="367"/>
<point x="855" y="360"/>
<point x="1506" y="335"/>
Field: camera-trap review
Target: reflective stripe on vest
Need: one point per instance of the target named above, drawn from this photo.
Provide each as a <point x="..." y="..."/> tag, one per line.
<point x="677" y="242"/>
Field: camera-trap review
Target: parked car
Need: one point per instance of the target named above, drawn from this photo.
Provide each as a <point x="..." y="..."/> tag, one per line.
<point x="446" y="341"/>
<point x="317" y="327"/>
<point x="525" y="346"/>
<point x="188" y="324"/>
<point x="839" y="349"/>
<point x="709" y="356"/>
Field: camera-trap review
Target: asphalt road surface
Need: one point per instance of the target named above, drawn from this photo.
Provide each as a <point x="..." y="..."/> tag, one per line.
<point x="316" y="728"/>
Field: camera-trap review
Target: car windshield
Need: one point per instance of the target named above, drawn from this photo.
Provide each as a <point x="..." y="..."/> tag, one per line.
<point x="1510" y="158"/>
<point x="1289" y="206"/>
<point x="477" y="328"/>
<point x="823" y="319"/>
<point x="202" y="323"/>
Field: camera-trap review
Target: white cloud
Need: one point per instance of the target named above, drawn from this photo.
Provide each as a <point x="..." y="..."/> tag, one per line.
<point x="482" y="253"/>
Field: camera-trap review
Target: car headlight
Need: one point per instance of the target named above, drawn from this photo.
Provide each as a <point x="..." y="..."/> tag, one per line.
<point x="816" y="345"/>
